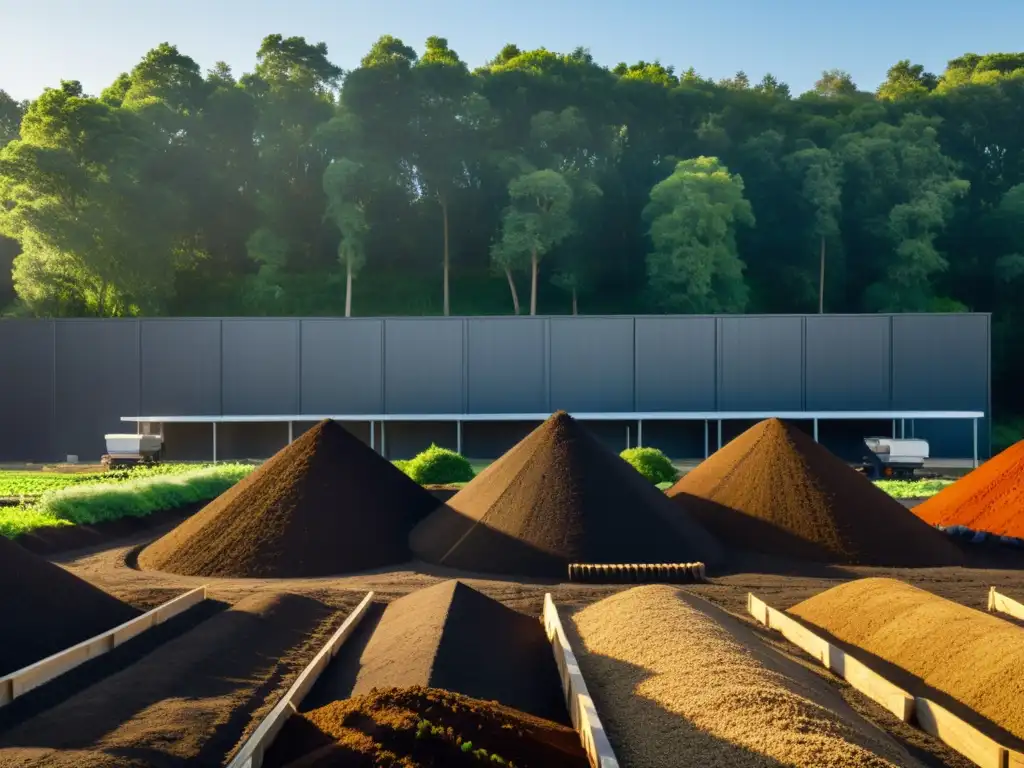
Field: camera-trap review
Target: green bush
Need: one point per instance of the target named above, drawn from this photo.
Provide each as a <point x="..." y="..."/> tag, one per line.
<point x="439" y="466"/>
<point x="402" y="465"/>
<point x="652" y="464"/>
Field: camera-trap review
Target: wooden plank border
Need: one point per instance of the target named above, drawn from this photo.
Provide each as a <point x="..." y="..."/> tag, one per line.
<point x="932" y="718"/>
<point x="255" y="747"/>
<point x="581" y="707"/>
<point x="21" y="681"/>
<point x="998" y="602"/>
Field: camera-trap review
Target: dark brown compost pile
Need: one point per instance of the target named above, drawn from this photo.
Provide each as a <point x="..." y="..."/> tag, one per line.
<point x="775" y="490"/>
<point x="559" y="497"/>
<point x="46" y="609"/>
<point x="323" y="505"/>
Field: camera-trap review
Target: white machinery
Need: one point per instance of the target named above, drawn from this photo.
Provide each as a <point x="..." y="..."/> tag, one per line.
<point x="128" y="450"/>
<point x="892" y="457"/>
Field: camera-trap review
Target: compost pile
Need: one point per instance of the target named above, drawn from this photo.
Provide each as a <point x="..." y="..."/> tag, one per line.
<point x="924" y="641"/>
<point x="325" y="504"/>
<point x="990" y="498"/>
<point x="557" y="497"/>
<point x="677" y="681"/>
<point x="188" y="702"/>
<point x="47" y="609"/>
<point x="423" y="728"/>
<point x="453" y="637"/>
<point x="775" y="490"/>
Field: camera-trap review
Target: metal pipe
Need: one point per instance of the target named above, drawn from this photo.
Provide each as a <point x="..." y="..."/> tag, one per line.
<point x="383" y="444"/>
<point x="373" y="429"/>
<point x="719" y="434"/>
<point x="458" y="436"/>
<point x="291" y="433"/>
<point x="215" y="442"/>
<point x="639" y="433"/>
<point x="975" y="442"/>
<point x="815" y="430"/>
<point x="707" y="447"/>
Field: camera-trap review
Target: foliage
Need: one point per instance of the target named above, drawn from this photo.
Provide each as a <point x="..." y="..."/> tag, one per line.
<point x="14" y="484"/>
<point x="652" y="464"/>
<point x="15" y="521"/>
<point x="912" y="489"/>
<point x="439" y="466"/>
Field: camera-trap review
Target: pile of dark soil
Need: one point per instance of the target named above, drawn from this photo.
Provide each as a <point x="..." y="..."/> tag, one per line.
<point x="559" y="497"/>
<point x="326" y="504"/>
<point x="990" y="498"/>
<point x="450" y="636"/>
<point x="190" y="701"/>
<point x="775" y="490"/>
<point x="46" y="609"/>
<point x="423" y="728"/>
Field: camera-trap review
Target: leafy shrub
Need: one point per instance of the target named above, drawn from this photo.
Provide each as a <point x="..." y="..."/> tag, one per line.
<point x="15" y="521"/>
<point x="402" y="465"/>
<point x="652" y="464"/>
<point x="439" y="466"/>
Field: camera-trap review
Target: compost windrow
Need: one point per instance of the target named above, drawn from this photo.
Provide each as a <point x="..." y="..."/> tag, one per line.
<point x="775" y="490"/>
<point x="453" y="637"/>
<point x="323" y="505"/>
<point x="190" y="701"/>
<point x="559" y="496"/>
<point x="47" y="609"/>
<point x="989" y="498"/>
<point x="384" y="727"/>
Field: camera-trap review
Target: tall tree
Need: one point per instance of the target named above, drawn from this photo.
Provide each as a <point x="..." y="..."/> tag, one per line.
<point x="835" y="82"/>
<point x="346" y="190"/>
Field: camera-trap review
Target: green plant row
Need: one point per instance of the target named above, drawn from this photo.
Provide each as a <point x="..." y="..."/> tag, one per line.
<point x="19" y="484"/>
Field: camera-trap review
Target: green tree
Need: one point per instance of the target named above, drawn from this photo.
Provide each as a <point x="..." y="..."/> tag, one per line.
<point x="346" y="190"/>
<point x="835" y="82"/>
<point x="11" y="112"/>
<point x="905" y="80"/>
<point x="693" y="216"/>
<point x="537" y="219"/>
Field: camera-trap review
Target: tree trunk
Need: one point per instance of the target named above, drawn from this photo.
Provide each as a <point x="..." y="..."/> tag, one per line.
<point x="348" y="288"/>
<point x="444" y="216"/>
<point x="575" y="306"/>
<point x="533" y="282"/>
<point x="821" y="280"/>
<point x="512" y="287"/>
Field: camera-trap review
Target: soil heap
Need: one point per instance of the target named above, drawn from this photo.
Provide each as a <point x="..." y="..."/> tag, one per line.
<point x="965" y="660"/>
<point x="557" y="497"/>
<point x="47" y="609"/>
<point x="678" y="681"/>
<point x="990" y="498"/>
<point x="450" y="636"/>
<point x="325" y="504"/>
<point x="385" y="727"/>
<point x="775" y="490"/>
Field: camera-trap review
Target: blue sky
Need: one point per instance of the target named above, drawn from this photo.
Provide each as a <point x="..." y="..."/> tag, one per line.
<point x="44" y="41"/>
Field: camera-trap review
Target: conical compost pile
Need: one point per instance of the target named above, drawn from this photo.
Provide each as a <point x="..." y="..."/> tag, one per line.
<point x="990" y="498"/>
<point x="453" y="637"/>
<point x="325" y="504"/>
<point x="775" y="490"/>
<point x="559" y="497"/>
<point x="47" y="609"/>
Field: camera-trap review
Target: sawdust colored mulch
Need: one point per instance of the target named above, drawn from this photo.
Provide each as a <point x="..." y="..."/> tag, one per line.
<point x="775" y="490"/>
<point x="46" y="609"/>
<point x="382" y="729"/>
<point x="325" y="504"/>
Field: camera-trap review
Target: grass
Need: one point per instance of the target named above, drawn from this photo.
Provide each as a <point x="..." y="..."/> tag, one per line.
<point x="31" y="484"/>
<point x="15" y="521"/>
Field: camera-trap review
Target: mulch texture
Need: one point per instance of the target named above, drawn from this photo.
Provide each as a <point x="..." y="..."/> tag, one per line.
<point x="453" y="637"/>
<point x="990" y="498"/>
<point x="47" y="610"/>
<point x="187" y="703"/>
<point x="558" y="497"/>
<point x="384" y="729"/>
<point x="323" y="505"/>
<point x="775" y="490"/>
<point x="965" y="660"/>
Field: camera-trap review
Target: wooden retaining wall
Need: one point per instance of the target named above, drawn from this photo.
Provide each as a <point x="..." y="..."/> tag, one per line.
<point x="932" y="718"/>
<point x="25" y="679"/>
<point x="577" y="697"/>
<point x="250" y="755"/>
<point x="1001" y="603"/>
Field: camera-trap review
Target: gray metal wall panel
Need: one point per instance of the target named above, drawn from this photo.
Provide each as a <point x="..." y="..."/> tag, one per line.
<point x="506" y="365"/>
<point x="675" y="363"/>
<point x="847" y="363"/>
<point x="940" y="362"/>
<point x="342" y="366"/>
<point x="423" y="368"/>
<point x="260" y="365"/>
<point x="97" y="382"/>
<point x="760" y="363"/>
<point x="591" y="364"/>
<point x="180" y="367"/>
<point x="26" y="386"/>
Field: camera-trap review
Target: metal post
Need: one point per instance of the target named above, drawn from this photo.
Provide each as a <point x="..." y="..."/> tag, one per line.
<point x="383" y="444"/>
<point x="903" y="428"/>
<point x="373" y="428"/>
<point x="894" y="427"/>
<point x="458" y="436"/>
<point x="719" y="434"/>
<point x="215" y="442"/>
<point x="706" y="441"/>
<point x="975" y="443"/>
<point x="627" y="437"/>
<point x="639" y="433"/>
<point x="815" y="430"/>
<point x="291" y="433"/>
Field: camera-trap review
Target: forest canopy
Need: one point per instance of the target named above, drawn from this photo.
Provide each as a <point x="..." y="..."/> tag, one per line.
<point x="541" y="182"/>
